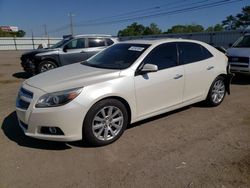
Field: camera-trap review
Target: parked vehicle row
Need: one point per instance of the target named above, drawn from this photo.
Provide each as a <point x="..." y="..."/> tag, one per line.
<point x="129" y="81"/>
<point x="69" y="50"/>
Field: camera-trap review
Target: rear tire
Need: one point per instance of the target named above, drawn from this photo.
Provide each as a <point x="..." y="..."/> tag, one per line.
<point x="46" y="65"/>
<point x="105" y="122"/>
<point x="216" y="92"/>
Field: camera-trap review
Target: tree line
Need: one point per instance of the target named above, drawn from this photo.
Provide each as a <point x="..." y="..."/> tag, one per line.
<point x="19" y="33"/>
<point x="240" y="21"/>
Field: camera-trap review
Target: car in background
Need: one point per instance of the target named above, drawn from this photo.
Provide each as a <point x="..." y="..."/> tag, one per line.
<point x="67" y="51"/>
<point x="239" y="55"/>
<point x="130" y="81"/>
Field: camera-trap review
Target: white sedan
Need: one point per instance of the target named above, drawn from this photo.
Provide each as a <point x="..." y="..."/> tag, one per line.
<point x="95" y="100"/>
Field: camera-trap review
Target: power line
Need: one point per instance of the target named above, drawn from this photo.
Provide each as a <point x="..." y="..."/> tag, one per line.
<point x="208" y="5"/>
<point x="151" y="12"/>
<point x="134" y="12"/>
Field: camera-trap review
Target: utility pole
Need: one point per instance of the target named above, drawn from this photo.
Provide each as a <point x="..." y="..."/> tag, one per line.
<point x="32" y="39"/>
<point x="45" y="30"/>
<point x="71" y="23"/>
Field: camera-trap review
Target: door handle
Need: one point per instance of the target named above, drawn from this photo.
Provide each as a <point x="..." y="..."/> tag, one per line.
<point x="210" y="67"/>
<point x="82" y="51"/>
<point x="178" y="76"/>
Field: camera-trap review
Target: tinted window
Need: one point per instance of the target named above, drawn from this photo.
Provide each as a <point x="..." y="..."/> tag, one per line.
<point x="109" y="42"/>
<point x="118" y="56"/>
<point x="96" y="42"/>
<point x="76" y="43"/>
<point x="192" y="52"/>
<point x="164" y="56"/>
<point x="60" y="43"/>
<point x="243" y="42"/>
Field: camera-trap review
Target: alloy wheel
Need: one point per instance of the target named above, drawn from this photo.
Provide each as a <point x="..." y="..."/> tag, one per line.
<point x="107" y="123"/>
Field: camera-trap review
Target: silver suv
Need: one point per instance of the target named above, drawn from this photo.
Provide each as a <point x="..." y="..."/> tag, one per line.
<point x="67" y="51"/>
<point x="239" y="55"/>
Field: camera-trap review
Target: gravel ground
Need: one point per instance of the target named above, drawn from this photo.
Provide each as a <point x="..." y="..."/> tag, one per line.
<point x="195" y="146"/>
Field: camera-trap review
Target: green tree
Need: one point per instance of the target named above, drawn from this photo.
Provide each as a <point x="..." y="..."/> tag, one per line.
<point x="217" y="27"/>
<point x="244" y="18"/>
<point x="20" y="33"/>
<point x="186" y="28"/>
<point x="152" y="29"/>
<point x="230" y="23"/>
<point x="134" y="29"/>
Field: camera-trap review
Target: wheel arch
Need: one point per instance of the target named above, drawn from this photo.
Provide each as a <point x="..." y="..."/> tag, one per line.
<point x="228" y="79"/>
<point x="49" y="59"/>
<point x="122" y="100"/>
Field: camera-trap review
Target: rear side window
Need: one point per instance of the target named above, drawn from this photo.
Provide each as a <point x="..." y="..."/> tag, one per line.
<point x="192" y="52"/>
<point x="96" y="42"/>
<point x="164" y="56"/>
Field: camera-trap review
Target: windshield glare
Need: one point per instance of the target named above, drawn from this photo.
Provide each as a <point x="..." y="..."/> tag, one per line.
<point x="118" y="56"/>
<point x="60" y="43"/>
<point x="243" y="42"/>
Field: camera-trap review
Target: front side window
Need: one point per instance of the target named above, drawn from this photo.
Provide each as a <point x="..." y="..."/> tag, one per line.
<point x="96" y="42"/>
<point x="60" y="43"/>
<point x="192" y="52"/>
<point x="118" y="56"/>
<point x="242" y="42"/>
<point x="76" y="43"/>
<point x="164" y="56"/>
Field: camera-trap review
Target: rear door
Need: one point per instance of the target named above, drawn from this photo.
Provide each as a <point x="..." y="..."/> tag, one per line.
<point x="94" y="45"/>
<point x="198" y="67"/>
<point x="162" y="89"/>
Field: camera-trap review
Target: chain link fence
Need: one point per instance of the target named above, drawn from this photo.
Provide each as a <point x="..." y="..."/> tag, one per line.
<point x="25" y="43"/>
<point x="223" y="39"/>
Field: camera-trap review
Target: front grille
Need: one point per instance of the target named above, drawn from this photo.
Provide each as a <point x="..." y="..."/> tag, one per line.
<point x="239" y="65"/>
<point x="238" y="59"/>
<point x="24" y="98"/>
<point x="26" y="93"/>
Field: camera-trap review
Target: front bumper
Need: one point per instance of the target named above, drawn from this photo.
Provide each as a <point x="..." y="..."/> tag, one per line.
<point x="68" y="118"/>
<point x="28" y="66"/>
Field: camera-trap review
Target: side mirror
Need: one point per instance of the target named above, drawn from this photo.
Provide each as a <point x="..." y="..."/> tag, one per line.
<point x="230" y="45"/>
<point x="148" y="68"/>
<point x="65" y="48"/>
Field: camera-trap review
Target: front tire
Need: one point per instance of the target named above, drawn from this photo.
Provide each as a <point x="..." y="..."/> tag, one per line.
<point x="46" y="65"/>
<point x="216" y="92"/>
<point x="105" y="122"/>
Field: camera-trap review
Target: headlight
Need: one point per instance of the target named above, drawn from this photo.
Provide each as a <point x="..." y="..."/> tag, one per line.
<point x="58" y="98"/>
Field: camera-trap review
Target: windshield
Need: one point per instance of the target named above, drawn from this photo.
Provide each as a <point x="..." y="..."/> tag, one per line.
<point x="61" y="43"/>
<point x="118" y="56"/>
<point x="243" y="42"/>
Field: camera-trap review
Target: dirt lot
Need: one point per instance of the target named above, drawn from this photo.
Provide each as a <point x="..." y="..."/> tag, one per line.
<point x="192" y="147"/>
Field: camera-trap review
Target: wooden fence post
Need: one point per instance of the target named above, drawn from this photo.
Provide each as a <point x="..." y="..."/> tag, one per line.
<point x="14" y="38"/>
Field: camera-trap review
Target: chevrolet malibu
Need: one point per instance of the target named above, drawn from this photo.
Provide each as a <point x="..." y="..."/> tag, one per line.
<point x="95" y="100"/>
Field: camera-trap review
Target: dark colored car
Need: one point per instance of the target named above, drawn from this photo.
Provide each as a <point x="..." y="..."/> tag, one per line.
<point x="67" y="51"/>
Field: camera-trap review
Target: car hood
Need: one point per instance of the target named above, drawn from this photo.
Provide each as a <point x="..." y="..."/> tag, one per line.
<point x="240" y="52"/>
<point x="71" y="76"/>
<point x="37" y="51"/>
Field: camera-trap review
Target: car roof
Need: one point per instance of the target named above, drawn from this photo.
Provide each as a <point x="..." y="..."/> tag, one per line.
<point x="153" y="41"/>
<point x="92" y="35"/>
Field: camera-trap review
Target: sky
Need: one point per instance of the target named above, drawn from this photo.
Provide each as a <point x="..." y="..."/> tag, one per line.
<point x="32" y="15"/>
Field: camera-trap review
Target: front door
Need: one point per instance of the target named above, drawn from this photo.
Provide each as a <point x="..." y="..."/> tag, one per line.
<point x="162" y="89"/>
<point x="73" y="52"/>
